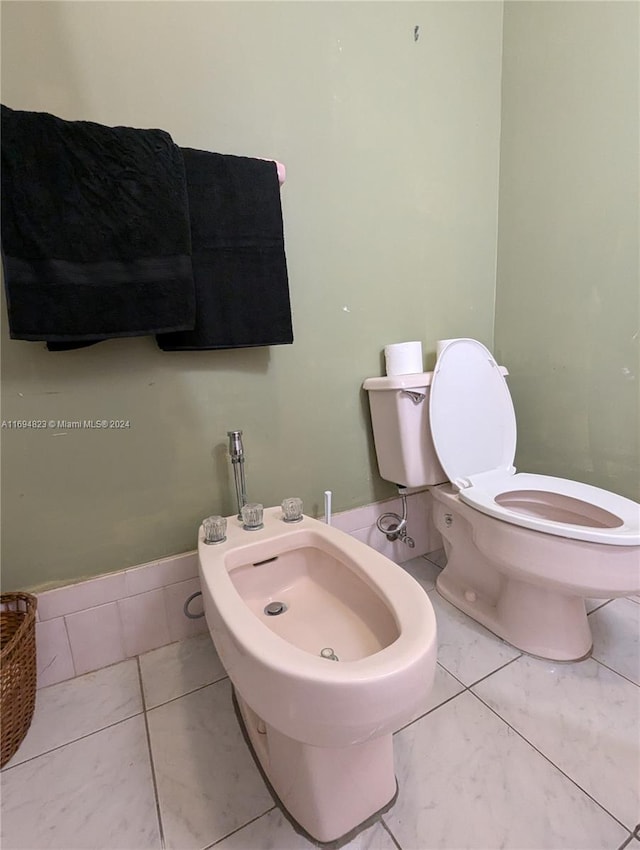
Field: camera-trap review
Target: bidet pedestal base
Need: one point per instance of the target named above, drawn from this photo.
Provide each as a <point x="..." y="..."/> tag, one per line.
<point x="329" y="792"/>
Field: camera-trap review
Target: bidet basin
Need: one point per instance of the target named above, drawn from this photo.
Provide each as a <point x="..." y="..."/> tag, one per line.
<point x="323" y="603"/>
<point x="339" y="594"/>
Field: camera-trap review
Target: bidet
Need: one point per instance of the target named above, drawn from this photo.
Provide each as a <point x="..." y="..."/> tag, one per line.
<point x="331" y="648"/>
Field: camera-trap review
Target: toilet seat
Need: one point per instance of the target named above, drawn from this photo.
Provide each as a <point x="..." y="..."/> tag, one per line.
<point x="474" y="432"/>
<point x="560" y="497"/>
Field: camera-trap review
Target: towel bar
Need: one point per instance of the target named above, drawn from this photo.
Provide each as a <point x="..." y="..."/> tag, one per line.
<point x="282" y="172"/>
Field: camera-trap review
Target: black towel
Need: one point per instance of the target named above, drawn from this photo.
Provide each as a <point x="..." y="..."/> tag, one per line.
<point x="95" y="230"/>
<point x="238" y="256"/>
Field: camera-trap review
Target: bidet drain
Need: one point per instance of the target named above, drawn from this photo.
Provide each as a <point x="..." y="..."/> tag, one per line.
<point x="328" y="652"/>
<point x="275" y="608"/>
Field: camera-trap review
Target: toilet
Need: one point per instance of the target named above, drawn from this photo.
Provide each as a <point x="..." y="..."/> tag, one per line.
<point x="524" y="551"/>
<point x="331" y="648"/>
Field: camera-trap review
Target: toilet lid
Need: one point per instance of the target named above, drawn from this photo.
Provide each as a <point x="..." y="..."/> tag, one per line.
<point x="473" y="423"/>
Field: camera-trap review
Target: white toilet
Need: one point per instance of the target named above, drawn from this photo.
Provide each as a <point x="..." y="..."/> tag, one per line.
<point x="331" y="648"/>
<point x="523" y="550"/>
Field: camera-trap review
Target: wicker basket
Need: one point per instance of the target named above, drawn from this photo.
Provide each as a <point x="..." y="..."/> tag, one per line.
<point x="17" y="669"/>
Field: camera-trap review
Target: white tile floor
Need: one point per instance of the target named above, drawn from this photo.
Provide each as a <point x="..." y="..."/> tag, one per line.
<point x="509" y="752"/>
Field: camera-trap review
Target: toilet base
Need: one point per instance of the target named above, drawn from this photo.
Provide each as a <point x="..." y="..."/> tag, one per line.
<point x="540" y="622"/>
<point x="524" y="586"/>
<point x="328" y="794"/>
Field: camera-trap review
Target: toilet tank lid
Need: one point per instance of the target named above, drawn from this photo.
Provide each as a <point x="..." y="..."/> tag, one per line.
<point x="405" y="382"/>
<point x="473" y="423"/>
<point x="399" y="382"/>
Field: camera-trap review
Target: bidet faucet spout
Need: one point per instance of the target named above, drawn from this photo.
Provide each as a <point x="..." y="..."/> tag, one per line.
<point x="236" y="452"/>
<point x="236" y="449"/>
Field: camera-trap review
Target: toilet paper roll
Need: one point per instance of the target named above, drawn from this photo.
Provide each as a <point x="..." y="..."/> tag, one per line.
<point x="441" y="344"/>
<point x="404" y="358"/>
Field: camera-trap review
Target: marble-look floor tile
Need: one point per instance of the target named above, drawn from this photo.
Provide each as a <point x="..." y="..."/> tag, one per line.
<point x="70" y="710"/>
<point x="465" y="648"/>
<point x="583" y="717"/>
<point x="179" y="668"/>
<point x="422" y="571"/>
<point x="274" y="832"/>
<point x="593" y="604"/>
<point x="94" y="793"/>
<point x="445" y="686"/>
<point x="469" y="781"/>
<point x="630" y="842"/>
<point x="616" y="637"/>
<point x="439" y="558"/>
<point x="208" y="784"/>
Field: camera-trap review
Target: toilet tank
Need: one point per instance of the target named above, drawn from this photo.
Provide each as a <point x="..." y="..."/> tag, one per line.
<point x="401" y="431"/>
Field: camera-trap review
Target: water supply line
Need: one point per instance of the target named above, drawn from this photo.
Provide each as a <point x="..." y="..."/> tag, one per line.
<point x="236" y="452"/>
<point x="393" y="526"/>
<point x="185" y="608"/>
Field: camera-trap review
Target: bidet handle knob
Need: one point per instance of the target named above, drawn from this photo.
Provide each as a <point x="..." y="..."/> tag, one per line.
<point x="292" y="509"/>
<point x="215" y="529"/>
<point x="252" y="515"/>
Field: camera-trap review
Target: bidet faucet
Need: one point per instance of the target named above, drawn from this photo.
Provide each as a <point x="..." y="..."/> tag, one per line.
<point x="236" y="452"/>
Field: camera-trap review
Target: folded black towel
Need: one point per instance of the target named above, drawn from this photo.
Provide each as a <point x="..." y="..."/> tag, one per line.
<point x="239" y="263"/>
<point x="95" y="230"/>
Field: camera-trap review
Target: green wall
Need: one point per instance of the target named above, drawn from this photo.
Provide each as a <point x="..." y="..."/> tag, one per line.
<point x="398" y="151"/>
<point x="390" y="208"/>
<point x="568" y="289"/>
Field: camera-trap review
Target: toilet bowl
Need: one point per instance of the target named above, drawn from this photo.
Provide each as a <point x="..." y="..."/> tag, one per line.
<point x="523" y="550"/>
<point x="331" y="648"/>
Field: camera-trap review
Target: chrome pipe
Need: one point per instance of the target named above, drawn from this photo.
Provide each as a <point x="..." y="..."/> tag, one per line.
<point x="393" y="526"/>
<point x="236" y="453"/>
